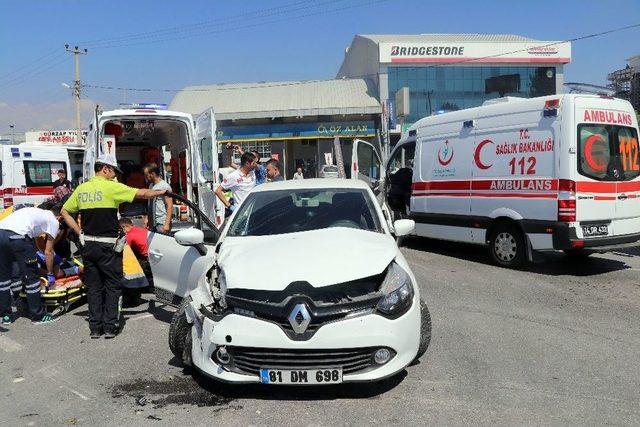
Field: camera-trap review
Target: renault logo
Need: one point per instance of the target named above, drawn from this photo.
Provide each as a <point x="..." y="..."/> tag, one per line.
<point x="299" y="318"/>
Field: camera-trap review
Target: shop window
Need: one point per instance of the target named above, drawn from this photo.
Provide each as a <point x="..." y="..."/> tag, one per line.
<point x="262" y="147"/>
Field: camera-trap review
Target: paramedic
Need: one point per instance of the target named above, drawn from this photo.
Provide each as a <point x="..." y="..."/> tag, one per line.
<point x="137" y="241"/>
<point x="18" y="232"/>
<point x="161" y="209"/>
<point x="259" y="171"/>
<point x="62" y="180"/>
<point x="97" y="200"/>
<point x="240" y="182"/>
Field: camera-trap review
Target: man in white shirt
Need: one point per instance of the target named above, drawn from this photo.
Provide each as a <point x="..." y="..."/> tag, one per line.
<point x="240" y="182"/>
<point x="161" y="207"/>
<point x="17" y="234"/>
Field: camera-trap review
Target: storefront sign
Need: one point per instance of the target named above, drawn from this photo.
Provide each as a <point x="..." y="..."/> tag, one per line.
<point x="295" y="131"/>
<point x="62" y="137"/>
<point x="478" y="52"/>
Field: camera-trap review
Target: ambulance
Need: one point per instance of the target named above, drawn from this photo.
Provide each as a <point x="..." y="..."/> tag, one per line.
<point x="187" y="153"/>
<point x="29" y="171"/>
<point x="522" y="176"/>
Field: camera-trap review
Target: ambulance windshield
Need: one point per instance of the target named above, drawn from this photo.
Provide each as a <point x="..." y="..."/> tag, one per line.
<point x="608" y="152"/>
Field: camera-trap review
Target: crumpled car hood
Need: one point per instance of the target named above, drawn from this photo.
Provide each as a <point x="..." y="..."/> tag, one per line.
<point x="321" y="257"/>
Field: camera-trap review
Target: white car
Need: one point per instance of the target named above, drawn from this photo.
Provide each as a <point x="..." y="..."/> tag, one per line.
<point x="306" y="286"/>
<point x="329" y="171"/>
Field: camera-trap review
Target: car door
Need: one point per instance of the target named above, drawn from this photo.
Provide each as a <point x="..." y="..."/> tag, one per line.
<point x="176" y="268"/>
<point x="367" y="166"/>
<point x="206" y="167"/>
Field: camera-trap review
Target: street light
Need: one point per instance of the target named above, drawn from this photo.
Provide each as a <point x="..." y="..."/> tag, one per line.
<point x="13" y="139"/>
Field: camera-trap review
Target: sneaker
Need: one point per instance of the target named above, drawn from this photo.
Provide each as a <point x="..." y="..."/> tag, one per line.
<point x="95" y="334"/>
<point x="6" y="320"/>
<point x="47" y="318"/>
<point x="110" y="335"/>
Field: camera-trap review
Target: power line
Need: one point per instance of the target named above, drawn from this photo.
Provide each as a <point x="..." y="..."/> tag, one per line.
<point x="241" y="87"/>
<point x="194" y="27"/>
<point x="258" y="24"/>
<point x="34" y="73"/>
<point x="35" y="61"/>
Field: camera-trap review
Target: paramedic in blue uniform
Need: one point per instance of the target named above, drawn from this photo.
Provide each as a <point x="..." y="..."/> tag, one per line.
<point x="97" y="201"/>
<point x="17" y="234"/>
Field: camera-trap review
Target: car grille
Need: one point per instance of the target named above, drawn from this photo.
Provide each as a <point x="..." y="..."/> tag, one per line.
<point x="325" y="305"/>
<point x="249" y="360"/>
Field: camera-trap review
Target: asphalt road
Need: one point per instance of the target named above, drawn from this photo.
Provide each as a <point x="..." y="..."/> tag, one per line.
<point x="558" y="343"/>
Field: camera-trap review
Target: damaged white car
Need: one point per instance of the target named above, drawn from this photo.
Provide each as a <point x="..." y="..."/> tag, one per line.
<point x="305" y="285"/>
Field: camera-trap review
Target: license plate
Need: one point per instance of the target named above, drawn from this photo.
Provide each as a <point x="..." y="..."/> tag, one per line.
<point x="595" y="230"/>
<point x="301" y="376"/>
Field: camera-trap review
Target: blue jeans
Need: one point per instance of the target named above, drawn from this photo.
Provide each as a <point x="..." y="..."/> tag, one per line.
<point x="21" y="250"/>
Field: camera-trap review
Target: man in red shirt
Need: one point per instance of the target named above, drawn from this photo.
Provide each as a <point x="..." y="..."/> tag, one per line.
<point x="137" y="240"/>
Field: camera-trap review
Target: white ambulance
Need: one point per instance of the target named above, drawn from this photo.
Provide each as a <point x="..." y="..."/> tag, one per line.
<point x="28" y="172"/>
<point x="522" y="175"/>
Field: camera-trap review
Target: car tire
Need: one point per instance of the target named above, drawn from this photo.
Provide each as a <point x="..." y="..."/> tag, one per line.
<point x="425" y="330"/>
<point x="507" y="246"/>
<point x="179" y="329"/>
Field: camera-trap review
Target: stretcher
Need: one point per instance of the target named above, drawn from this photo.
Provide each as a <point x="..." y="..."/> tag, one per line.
<point x="63" y="294"/>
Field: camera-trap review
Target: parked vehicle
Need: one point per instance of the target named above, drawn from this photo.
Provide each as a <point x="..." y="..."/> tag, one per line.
<point x="306" y="285"/>
<point x="521" y="176"/>
<point x="28" y="172"/>
<point x="328" y="171"/>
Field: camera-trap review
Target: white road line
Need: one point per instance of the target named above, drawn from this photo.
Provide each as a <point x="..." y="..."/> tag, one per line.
<point x="60" y="378"/>
<point x="143" y="316"/>
<point x="77" y="393"/>
<point x="9" y="345"/>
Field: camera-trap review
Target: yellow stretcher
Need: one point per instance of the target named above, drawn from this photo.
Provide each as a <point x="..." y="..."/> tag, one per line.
<point x="58" y="301"/>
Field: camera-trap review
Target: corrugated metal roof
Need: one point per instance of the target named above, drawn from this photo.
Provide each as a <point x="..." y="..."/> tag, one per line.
<point x="434" y="38"/>
<point x="280" y="99"/>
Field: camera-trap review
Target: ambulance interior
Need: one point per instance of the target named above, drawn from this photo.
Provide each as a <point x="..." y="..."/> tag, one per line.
<point x="140" y="141"/>
<point x="400" y="177"/>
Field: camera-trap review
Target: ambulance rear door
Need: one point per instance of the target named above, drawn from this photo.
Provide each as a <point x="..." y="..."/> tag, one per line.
<point x="206" y="167"/>
<point x="608" y="166"/>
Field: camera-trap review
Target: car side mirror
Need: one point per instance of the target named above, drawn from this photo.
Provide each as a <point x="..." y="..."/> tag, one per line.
<point x="404" y="227"/>
<point x="191" y="237"/>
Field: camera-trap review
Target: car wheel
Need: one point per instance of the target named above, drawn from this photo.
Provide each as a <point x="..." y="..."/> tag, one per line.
<point x="506" y="246"/>
<point x="179" y="330"/>
<point x="425" y="330"/>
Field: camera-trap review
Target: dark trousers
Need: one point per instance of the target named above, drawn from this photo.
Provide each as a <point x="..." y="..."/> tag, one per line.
<point x="103" y="278"/>
<point x="22" y="251"/>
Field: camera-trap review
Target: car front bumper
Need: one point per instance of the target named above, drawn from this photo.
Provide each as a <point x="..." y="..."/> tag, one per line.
<point x="402" y="335"/>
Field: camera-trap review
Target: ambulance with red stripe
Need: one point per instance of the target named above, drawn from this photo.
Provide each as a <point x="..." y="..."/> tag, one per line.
<point x="28" y="172"/>
<point x="522" y="176"/>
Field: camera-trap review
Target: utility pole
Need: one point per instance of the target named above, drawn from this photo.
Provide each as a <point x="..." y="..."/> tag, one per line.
<point x="13" y="138"/>
<point x="77" y="88"/>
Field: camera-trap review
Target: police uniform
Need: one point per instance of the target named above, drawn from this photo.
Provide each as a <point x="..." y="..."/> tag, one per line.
<point x="97" y="201"/>
<point x="17" y="234"/>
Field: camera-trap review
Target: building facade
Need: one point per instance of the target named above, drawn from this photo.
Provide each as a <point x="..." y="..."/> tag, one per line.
<point x="445" y="72"/>
<point x="626" y="82"/>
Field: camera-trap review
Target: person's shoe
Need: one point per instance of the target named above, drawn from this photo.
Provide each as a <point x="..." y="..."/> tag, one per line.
<point x="6" y="320"/>
<point x="95" y="334"/>
<point x="110" y="335"/>
<point x="47" y="318"/>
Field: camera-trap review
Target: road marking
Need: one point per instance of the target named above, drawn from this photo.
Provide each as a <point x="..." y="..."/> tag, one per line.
<point x="9" y="345"/>
<point x="53" y="374"/>
<point x="144" y="316"/>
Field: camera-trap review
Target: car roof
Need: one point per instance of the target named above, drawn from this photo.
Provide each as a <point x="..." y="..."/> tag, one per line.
<point x="312" y="183"/>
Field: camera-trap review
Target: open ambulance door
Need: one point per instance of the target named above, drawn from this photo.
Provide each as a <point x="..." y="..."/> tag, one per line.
<point x="90" y="149"/>
<point x="206" y="167"/>
<point x="367" y="166"/>
<point x="177" y="262"/>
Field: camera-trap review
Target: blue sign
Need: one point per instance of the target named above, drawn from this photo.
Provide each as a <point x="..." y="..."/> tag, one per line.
<point x="391" y="111"/>
<point x="145" y="106"/>
<point x="296" y="130"/>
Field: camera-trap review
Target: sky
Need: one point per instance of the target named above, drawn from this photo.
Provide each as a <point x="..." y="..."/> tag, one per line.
<point x="172" y="44"/>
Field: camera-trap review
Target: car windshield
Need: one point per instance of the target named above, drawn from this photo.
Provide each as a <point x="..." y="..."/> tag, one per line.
<point x="289" y="211"/>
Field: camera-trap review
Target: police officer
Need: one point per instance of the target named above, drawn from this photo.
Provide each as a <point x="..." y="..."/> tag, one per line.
<point x="97" y="201"/>
<point x="17" y="234"/>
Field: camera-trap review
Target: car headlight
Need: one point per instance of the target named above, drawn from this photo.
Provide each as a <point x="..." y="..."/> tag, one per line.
<point x="397" y="290"/>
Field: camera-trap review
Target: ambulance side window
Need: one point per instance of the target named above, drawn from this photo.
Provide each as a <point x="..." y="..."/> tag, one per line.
<point x="41" y="174"/>
<point x="368" y="161"/>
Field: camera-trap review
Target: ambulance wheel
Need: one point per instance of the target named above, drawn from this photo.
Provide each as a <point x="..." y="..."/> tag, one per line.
<point x="179" y="329"/>
<point x="506" y="246"/>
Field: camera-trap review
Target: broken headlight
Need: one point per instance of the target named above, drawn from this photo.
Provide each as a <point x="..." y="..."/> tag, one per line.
<point x="397" y="292"/>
